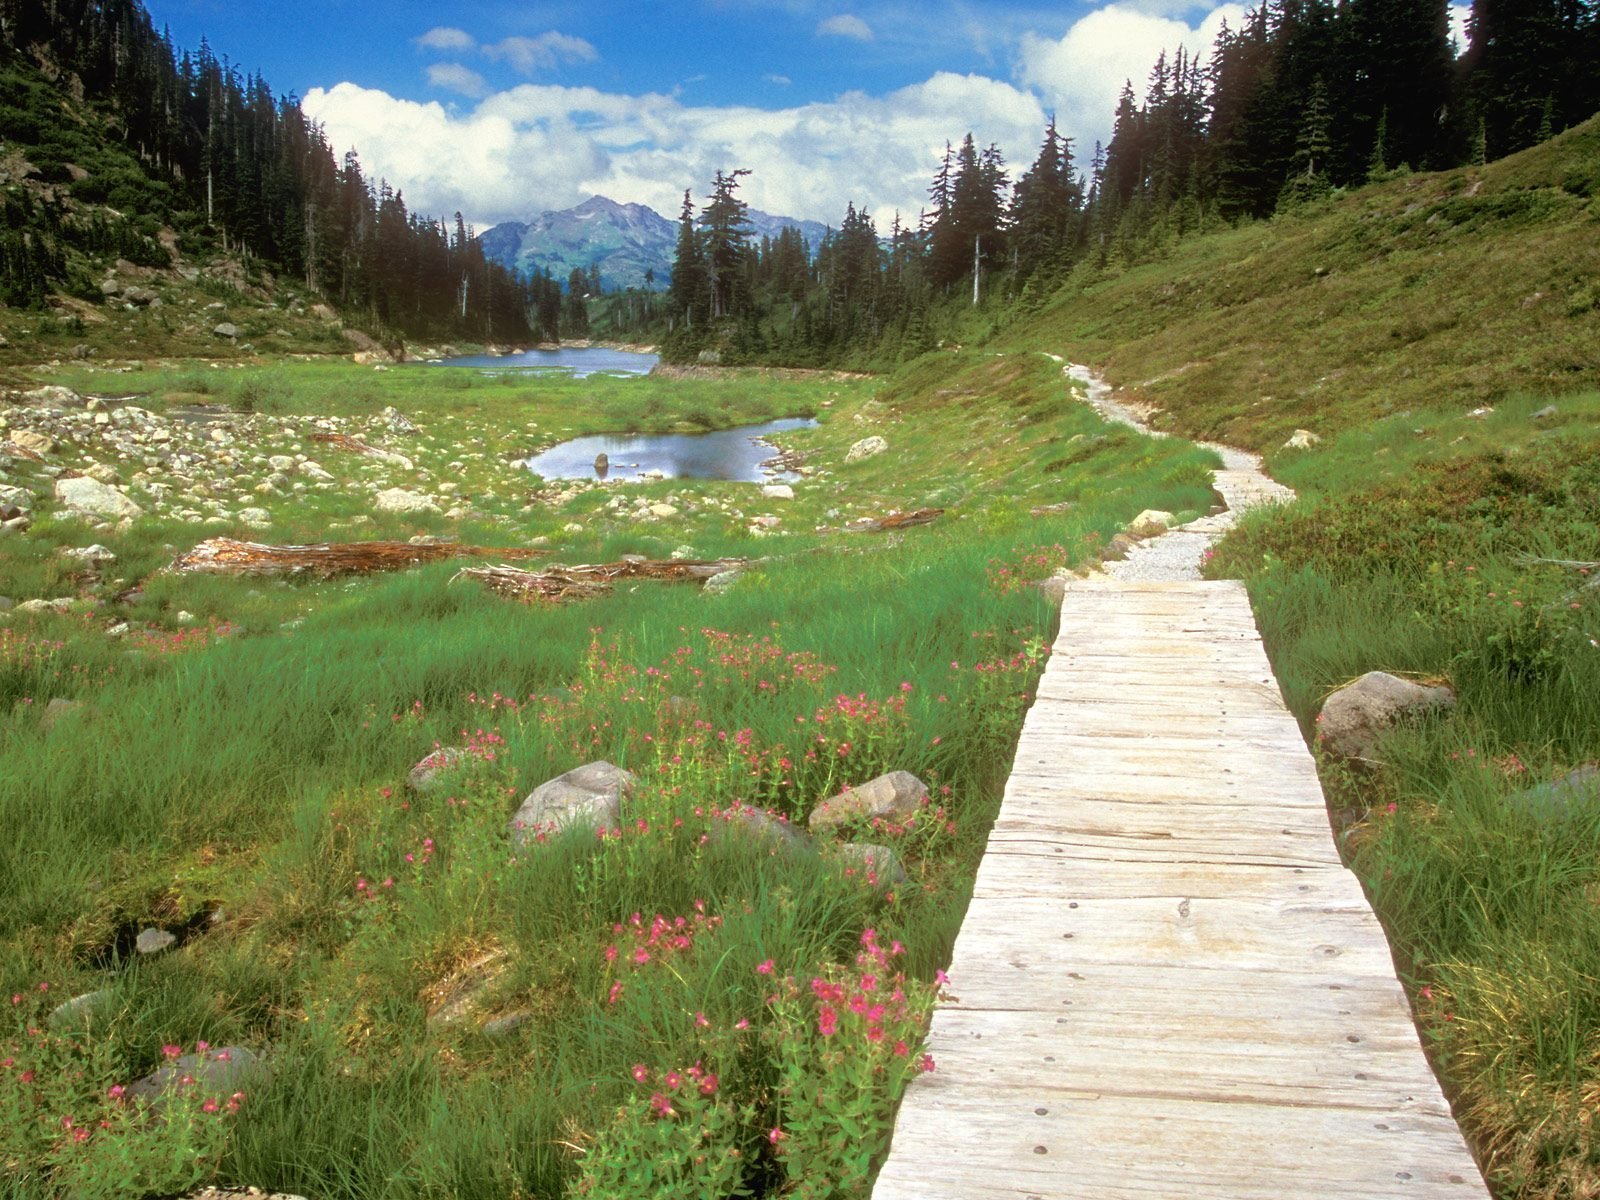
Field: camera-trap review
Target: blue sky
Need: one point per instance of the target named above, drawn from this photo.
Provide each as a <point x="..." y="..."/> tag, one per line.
<point x="503" y="110"/>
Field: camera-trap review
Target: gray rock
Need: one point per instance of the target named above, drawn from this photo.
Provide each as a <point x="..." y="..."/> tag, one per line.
<point x="721" y="581"/>
<point x="757" y="825"/>
<point x="84" y="497"/>
<point x="1545" y="413"/>
<point x="80" y="1010"/>
<point x="215" y="1073"/>
<point x="399" y="500"/>
<point x="17" y="497"/>
<point x="62" y="604"/>
<point x="1302" y="439"/>
<point x="227" y="329"/>
<point x="878" y="865"/>
<point x="398" y="422"/>
<point x="33" y="441"/>
<point x="256" y="518"/>
<point x="56" y="710"/>
<point x="1152" y="522"/>
<point x="866" y="448"/>
<point x="505" y="1026"/>
<point x="95" y="555"/>
<point x="897" y="794"/>
<point x="154" y="941"/>
<point x="428" y="772"/>
<point x="778" y="491"/>
<point x="51" y="395"/>
<point x="1355" y="716"/>
<point x="589" y="797"/>
<point x="1568" y="795"/>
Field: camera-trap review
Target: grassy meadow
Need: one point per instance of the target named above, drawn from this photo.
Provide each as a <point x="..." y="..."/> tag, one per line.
<point x="678" y="1007"/>
<point x="1422" y="546"/>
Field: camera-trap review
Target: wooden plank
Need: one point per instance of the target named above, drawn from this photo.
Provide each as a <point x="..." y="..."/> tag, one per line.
<point x="1167" y="984"/>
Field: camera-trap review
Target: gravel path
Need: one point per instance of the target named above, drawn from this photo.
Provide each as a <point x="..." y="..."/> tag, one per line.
<point x="1179" y="553"/>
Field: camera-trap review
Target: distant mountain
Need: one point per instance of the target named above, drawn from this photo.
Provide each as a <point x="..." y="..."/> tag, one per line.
<point x="626" y="240"/>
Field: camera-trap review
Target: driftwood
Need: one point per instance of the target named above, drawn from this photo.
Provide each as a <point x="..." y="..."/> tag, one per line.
<point x="324" y="560"/>
<point x="894" y="520"/>
<point x="588" y="580"/>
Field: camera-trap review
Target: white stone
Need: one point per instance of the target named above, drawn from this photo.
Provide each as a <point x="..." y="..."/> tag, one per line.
<point x="86" y="497"/>
<point x="866" y="448"/>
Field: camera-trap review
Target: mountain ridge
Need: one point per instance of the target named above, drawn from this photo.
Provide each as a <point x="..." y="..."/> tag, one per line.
<point x="626" y="241"/>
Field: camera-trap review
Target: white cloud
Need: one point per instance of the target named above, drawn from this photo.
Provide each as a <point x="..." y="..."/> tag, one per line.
<point x="1082" y="73"/>
<point x="846" y="26"/>
<point x="445" y="38"/>
<point x="780" y="80"/>
<point x="531" y="54"/>
<point x="453" y="77"/>
<point x="1460" y="14"/>
<point x="539" y="146"/>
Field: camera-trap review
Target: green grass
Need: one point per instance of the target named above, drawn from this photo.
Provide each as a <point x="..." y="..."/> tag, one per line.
<point x="258" y="768"/>
<point x="1413" y="551"/>
<point x="1459" y="287"/>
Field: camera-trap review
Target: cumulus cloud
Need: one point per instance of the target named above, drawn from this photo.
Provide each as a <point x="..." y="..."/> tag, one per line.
<point x="537" y="146"/>
<point x="1082" y="73"/>
<point x="443" y="37"/>
<point x="531" y="54"/>
<point x="453" y="77"/>
<point x="845" y="25"/>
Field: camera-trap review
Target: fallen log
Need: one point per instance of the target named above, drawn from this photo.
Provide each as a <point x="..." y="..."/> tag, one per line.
<point x="325" y="560"/>
<point x="343" y="441"/>
<point x="894" y="520"/>
<point x="588" y="580"/>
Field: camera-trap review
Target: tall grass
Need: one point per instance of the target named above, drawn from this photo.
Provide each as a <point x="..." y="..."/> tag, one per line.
<point x="1416" y="553"/>
<point x="259" y="771"/>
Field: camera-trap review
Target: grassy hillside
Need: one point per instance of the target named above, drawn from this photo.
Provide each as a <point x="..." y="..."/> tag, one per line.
<point x="1441" y="333"/>
<point x="1459" y="287"/>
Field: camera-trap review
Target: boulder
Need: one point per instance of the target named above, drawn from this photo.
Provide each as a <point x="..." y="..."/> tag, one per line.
<point x="93" y="556"/>
<point x="663" y="510"/>
<point x="17" y="497"/>
<point x="1301" y="439"/>
<point x="52" y="395"/>
<point x="1150" y="523"/>
<point x="1568" y="795"/>
<point x="589" y="797"/>
<point x="32" y="441"/>
<point x="256" y="518"/>
<point x="1117" y="548"/>
<point x="227" y="329"/>
<point x="80" y="1010"/>
<point x="764" y="828"/>
<point x="1546" y="413"/>
<point x="84" y="497"/>
<point x="1358" y="714"/>
<point x="877" y="865"/>
<point x="866" y="448"/>
<point x="154" y="941"/>
<point x="213" y="1073"/>
<point x="897" y="794"/>
<point x="778" y="491"/>
<point x="399" y="500"/>
<point x="428" y="772"/>
<point x="397" y="421"/>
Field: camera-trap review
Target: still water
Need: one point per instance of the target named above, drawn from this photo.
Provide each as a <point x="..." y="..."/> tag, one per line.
<point x="578" y="362"/>
<point x="735" y="454"/>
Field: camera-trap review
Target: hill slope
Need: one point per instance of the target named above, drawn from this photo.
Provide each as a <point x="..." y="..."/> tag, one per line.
<point x="1461" y="286"/>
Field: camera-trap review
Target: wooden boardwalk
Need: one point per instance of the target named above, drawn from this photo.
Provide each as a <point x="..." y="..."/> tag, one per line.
<point x="1167" y="986"/>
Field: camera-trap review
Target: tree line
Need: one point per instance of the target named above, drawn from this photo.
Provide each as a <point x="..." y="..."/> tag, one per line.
<point x="1305" y="97"/>
<point x="231" y="166"/>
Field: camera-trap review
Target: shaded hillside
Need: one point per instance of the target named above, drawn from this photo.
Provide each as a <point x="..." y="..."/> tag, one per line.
<point x="1456" y="287"/>
<point x="114" y="145"/>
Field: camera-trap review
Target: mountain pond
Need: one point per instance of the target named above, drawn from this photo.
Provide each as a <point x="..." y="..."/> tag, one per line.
<point x="577" y="361"/>
<point x="731" y="454"/>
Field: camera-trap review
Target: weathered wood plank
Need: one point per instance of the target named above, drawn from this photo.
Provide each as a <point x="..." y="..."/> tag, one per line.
<point x="1167" y="984"/>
